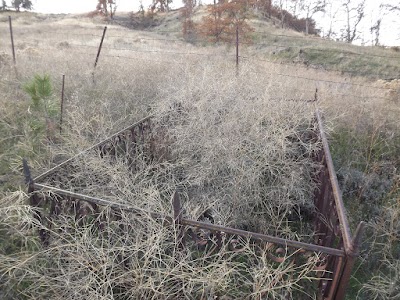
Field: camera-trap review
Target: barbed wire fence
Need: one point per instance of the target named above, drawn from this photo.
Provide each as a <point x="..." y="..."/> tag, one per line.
<point x="121" y="44"/>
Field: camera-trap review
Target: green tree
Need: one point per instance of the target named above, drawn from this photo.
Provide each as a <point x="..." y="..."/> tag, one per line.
<point x="43" y="105"/>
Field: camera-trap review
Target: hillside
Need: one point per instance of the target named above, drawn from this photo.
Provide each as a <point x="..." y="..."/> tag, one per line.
<point x="270" y="41"/>
<point x="257" y="113"/>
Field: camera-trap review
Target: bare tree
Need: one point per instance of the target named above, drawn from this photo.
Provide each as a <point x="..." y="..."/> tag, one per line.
<point x="107" y="7"/>
<point x="3" y="5"/>
<point x="376" y="28"/>
<point x="188" y="26"/>
<point x="160" y="5"/>
<point x="25" y="4"/>
<point x="332" y="12"/>
<point x="385" y="9"/>
<point x="265" y="7"/>
<point x="377" y="22"/>
<point x="354" y="13"/>
<point x="282" y="5"/>
<point x="113" y="7"/>
<point x="102" y="7"/>
<point x="390" y="7"/>
<point x="310" y="8"/>
<point x="295" y="7"/>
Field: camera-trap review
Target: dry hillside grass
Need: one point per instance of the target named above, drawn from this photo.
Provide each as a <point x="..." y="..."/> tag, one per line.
<point x="236" y="130"/>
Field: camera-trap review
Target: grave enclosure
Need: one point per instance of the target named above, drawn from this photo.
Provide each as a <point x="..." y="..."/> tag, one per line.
<point x="336" y="247"/>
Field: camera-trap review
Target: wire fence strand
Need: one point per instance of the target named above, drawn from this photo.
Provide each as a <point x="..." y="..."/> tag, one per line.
<point x="253" y="59"/>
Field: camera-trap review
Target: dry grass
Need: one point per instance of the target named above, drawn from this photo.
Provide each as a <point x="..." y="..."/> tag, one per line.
<point x="237" y="149"/>
<point x="134" y="258"/>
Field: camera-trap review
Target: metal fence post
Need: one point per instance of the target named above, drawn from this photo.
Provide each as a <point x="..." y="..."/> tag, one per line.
<point x="100" y="46"/>
<point x="99" y="51"/>
<point x="237" y="48"/>
<point x="12" y="39"/>
<point x="62" y="102"/>
<point x="176" y="205"/>
<point x="349" y="263"/>
<point x="34" y="201"/>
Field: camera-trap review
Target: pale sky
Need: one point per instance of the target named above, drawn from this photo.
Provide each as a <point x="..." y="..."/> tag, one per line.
<point x="79" y="6"/>
<point x="390" y="28"/>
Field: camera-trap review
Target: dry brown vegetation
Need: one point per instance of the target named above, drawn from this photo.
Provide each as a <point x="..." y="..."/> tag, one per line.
<point x="227" y="133"/>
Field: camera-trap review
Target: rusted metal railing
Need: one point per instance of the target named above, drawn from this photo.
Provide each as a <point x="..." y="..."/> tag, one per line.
<point x="331" y="224"/>
<point x="334" y="244"/>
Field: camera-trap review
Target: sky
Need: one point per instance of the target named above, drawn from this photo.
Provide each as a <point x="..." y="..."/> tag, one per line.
<point x="79" y="6"/>
<point x="390" y="28"/>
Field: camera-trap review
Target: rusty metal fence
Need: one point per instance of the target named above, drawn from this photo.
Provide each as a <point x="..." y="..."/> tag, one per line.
<point x="336" y="248"/>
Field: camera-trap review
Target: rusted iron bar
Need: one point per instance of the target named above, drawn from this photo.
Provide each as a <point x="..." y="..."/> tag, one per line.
<point x="207" y="226"/>
<point x="349" y="262"/>
<point x="100" y="46"/>
<point x="334" y="284"/>
<point x="12" y="39"/>
<point x="344" y="224"/>
<point x="99" y="144"/>
<point x="27" y="172"/>
<point x="103" y="202"/>
<point x="263" y="237"/>
<point x="176" y="206"/>
<point x="34" y="201"/>
<point x="62" y="102"/>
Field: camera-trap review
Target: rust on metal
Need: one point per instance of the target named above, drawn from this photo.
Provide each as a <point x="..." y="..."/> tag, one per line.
<point x="99" y="144"/>
<point x="349" y="262"/>
<point x="333" y="239"/>
<point x="103" y="202"/>
<point x="344" y="224"/>
<point x="35" y="201"/>
<point x="263" y="237"/>
<point x="336" y="276"/>
<point x="176" y="205"/>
